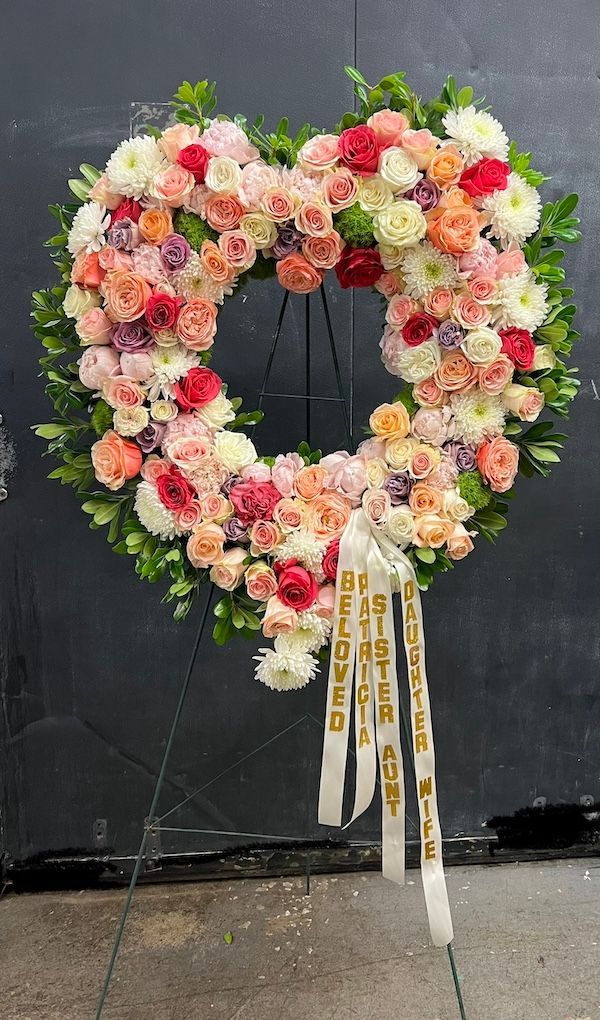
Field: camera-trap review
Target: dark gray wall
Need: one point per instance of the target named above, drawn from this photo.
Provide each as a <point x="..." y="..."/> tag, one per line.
<point x="90" y="661"/>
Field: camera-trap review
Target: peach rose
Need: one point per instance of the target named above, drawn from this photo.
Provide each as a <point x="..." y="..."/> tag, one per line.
<point x="197" y="324"/>
<point x="456" y="198"/>
<point x="453" y="230"/>
<point x="126" y="295"/>
<point x="264" y="536"/>
<point x="498" y="462"/>
<point x="325" y="604"/>
<point x="328" y="515"/>
<point x="456" y="373"/>
<point x="421" y="145"/>
<point x="188" y="452"/>
<point x="215" y="263"/>
<point x="278" y="204"/>
<point x="310" y="481"/>
<point x="189" y="516"/>
<point x="389" y="127"/>
<point x="155" y="225"/>
<point x="423" y="499"/>
<point x="438" y="302"/>
<point x="289" y="514"/>
<point x="113" y="258"/>
<point x="205" y="545"/>
<point x="525" y="402"/>
<point x="178" y="137"/>
<point x="389" y="285"/>
<point x="460" y="543"/>
<point x="119" y="391"/>
<point x="510" y="263"/>
<point x="87" y="270"/>
<point x="260" y="581"/>
<point x="423" y="460"/>
<point x="446" y="167"/>
<point x="432" y="531"/>
<point x="224" y="212"/>
<point x="228" y="572"/>
<point x="482" y="288"/>
<point x="390" y="420"/>
<point x="295" y="273"/>
<point x="429" y="393"/>
<point x="319" y="153"/>
<point x="339" y="189"/>
<point x="377" y="504"/>
<point x="314" y="219"/>
<point x="94" y="327"/>
<point x="323" y="252"/>
<point x="153" y="467"/>
<point x="238" y="248"/>
<point x="470" y="313"/>
<point x="100" y="193"/>
<point x="115" y="460"/>
<point x="216" y="508"/>
<point x="494" y="378"/>
<point x="279" y="618"/>
<point x="173" y="185"/>
<point x="400" y="309"/>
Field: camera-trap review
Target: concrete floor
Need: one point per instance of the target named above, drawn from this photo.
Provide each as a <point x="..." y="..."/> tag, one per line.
<point x="526" y="945"/>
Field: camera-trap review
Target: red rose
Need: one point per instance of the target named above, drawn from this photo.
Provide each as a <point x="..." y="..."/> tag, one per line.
<point x="199" y="387"/>
<point x="418" y="328"/>
<point x="254" y="501"/>
<point x="129" y="209"/>
<point x="358" y="267"/>
<point x="330" y="560"/>
<point x="297" y="588"/>
<point x="518" y="345"/>
<point x="174" y="491"/>
<point x="484" y="177"/>
<point x="359" y="150"/>
<point x="162" y="310"/>
<point x="194" y="158"/>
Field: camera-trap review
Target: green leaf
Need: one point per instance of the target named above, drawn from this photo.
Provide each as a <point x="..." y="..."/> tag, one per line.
<point x="426" y="555"/>
<point x="79" y="188"/>
<point x="355" y="75"/>
<point x="228" y="938"/>
<point x="465" y="96"/>
<point x="50" y="431"/>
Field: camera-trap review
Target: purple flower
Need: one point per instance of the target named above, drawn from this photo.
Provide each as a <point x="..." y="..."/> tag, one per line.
<point x="398" y="485"/>
<point x="175" y="251"/>
<point x="462" y="455"/>
<point x="123" y="234"/>
<point x="425" y="193"/>
<point x="449" y="334"/>
<point x="131" y="336"/>
<point x="234" y="530"/>
<point x="151" y="437"/>
<point x="288" y="240"/>
<point x="228" y="485"/>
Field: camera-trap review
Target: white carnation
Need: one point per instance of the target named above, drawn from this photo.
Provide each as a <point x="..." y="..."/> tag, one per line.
<point x="515" y="212"/>
<point x="399" y="169"/>
<point x="476" y="134"/>
<point x="285" y="671"/>
<point x="402" y="223"/>
<point x="153" y="515"/>
<point x="520" y="302"/>
<point x="88" y="228"/>
<point x="235" y="450"/>
<point x="133" y="166"/>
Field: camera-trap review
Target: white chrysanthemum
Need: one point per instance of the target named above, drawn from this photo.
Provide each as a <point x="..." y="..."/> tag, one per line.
<point x="312" y="633"/>
<point x="133" y="166"/>
<point x="153" y="515"/>
<point x="521" y="302"/>
<point x="515" y="212"/>
<point x="285" y="671"/>
<point x="425" y="267"/>
<point x="476" y="134"/>
<point x="302" y="545"/>
<point x="170" y="364"/>
<point x="194" y="282"/>
<point x="88" y="227"/>
<point x="477" y="416"/>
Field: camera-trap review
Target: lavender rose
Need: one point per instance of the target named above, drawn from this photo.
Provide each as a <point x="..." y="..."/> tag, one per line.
<point x="425" y="193"/>
<point x="151" y="437"/>
<point x="234" y="530"/>
<point x="449" y="334"/>
<point x="288" y="240"/>
<point x="123" y="234"/>
<point x="398" y="485"/>
<point x="228" y="485"/>
<point x="131" y="336"/>
<point x="462" y="455"/>
<point x="175" y="251"/>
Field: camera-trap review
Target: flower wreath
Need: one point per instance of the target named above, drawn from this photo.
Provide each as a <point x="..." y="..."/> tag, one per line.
<point x="427" y="203"/>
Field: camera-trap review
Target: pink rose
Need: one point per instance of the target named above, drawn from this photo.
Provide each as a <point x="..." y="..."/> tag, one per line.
<point x="264" y="537"/>
<point x="324" y="606"/>
<point x="224" y="138"/>
<point x="388" y="284"/>
<point x="422" y="463"/>
<point x="339" y="189"/>
<point x="178" y="137"/>
<point x="197" y="324"/>
<point x="288" y="514"/>
<point x="153" y="467"/>
<point x="260" y="581"/>
<point x="238" y="248"/>
<point x="173" y="185"/>
<point x="314" y="219"/>
<point x="96" y="365"/>
<point x="94" y="327"/>
<point x="188" y="452"/>
<point x="319" y="153"/>
<point x="523" y="401"/>
<point x="279" y="618"/>
<point x="481" y="261"/>
<point x="438" y="302"/>
<point x="372" y="448"/>
<point x="389" y="126"/>
<point x="284" y="471"/>
<point x="119" y="391"/>
<point x="189" y="516"/>
<point x="147" y="261"/>
<point x="421" y="145"/>
<point x="399" y="310"/>
<point x="482" y="288"/>
<point x="228" y="572"/>
<point x="428" y="393"/>
<point x="215" y="507"/>
<point x="113" y="258"/>
<point x="100" y="193"/>
<point x="494" y="378"/>
<point x="377" y="504"/>
<point x="510" y="263"/>
<point x="460" y="543"/>
<point x="323" y="252"/>
<point x="115" y="460"/>
<point x="257" y="178"/>
<point x="498" y="462"/>
<point x="346" y="474"/>
<point x="470" y="313"/>
<point x="136" y="366"/>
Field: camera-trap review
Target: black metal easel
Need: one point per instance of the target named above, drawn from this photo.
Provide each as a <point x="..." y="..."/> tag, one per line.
<point x="152" y="823"/>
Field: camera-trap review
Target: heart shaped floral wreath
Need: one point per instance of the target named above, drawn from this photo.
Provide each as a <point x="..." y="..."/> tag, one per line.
<point x="427" y="203"/>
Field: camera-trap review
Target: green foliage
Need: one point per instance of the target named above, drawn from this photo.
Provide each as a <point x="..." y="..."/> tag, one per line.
<point x="355" y="226"/>
<point x="263" y="269"/>
<point x="490" y="520"/>
<point x="520" y="162"/>
<point x="427" y="563"/>
<point x="309" y="456"/>
<point x="472" y="488"/>
<point x="193" y="104"/>
<point x="101" y="417"/>
<point x="406" y="397"/>
<point x="194" y="229"/>
<point x="538" y="448"/>
<point x="237" y="614"/>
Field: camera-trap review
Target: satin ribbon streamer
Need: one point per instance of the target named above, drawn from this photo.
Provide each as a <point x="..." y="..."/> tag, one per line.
<point x="363" y="665"/>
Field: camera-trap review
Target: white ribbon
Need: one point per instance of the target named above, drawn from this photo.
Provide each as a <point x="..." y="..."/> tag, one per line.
<point x="363" y="659"/>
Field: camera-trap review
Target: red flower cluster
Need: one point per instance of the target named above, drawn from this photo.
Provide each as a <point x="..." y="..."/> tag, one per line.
<point x="418" y="328"/>
<point x="330" y="560"/>
<point x="296" y="587"/>
<point x="128" y="209"/>
<point x="518" y="345"/>
<point x="359" y="150"/>
<point x="484" y="177"/>
<point x="198" y="387"/>
<point x="254" y="501"/>
<point x="174" y="490"/>
<point x="162" y="310"/>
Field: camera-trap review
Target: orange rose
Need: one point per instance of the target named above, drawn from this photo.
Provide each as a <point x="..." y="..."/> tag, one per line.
<point x="155" y="225"/>
<point x="295" y="273"/>
<point x="456" y="373"/>
<point x="454" y="230"/>
<point x="215" y="263"/>
<point x="115" y="460"/>
<point x="205" y="545"/>
<point x="197" y="324"/>
<point x="278" y="204"/>
<point x="429" y="393"/>
<point x="498" y="461"/>
<point x="328" y="515"/>
<point x="87" y="271"/>
<point x="424" y="500"/>
<point x="323" y="252"/>
<point x="390" y="420"/>
<point x="224" y="212"/>
<point x="126" y="295"/>
<point x="446" y="167"/>
<point x="309" y="481"/>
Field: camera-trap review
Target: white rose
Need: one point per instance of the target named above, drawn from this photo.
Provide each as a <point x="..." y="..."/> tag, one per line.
<point x="77" y="300"/>
<point x="544" y="357"/>
<point x="163" y="410"/>
<point x="166" y="337"/>
<point x="128" y="421"/>
<point x="399" y="169"/>
<point x="377" y="472"/>
<point x="455" y="507"/>
<point x="235" y="450"/>
<point x="259" y="229"/>
<point x="223" y="174"/>
<point x="401" y="223"/>
<point x="417" y="363"/>
<point x="391" y="255"/>
<point x="482" y="345"/>
<point x="217" y="412"/>
<point x="400" y="525"/>
<point x="374" y="194"/>
<point x="399" y="452"/>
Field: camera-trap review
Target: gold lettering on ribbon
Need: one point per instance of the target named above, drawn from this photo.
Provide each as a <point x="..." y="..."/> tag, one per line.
<point x="392" y="798"/>
<point x="413" y="639"/>
<point x="341" y="642"/>
<point x="365" y="654"/>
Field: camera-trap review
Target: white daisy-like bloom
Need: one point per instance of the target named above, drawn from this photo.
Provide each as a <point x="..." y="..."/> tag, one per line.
<point x="88" y="228"/>
<point x="521" y="302"/>
<point x="285" y="671"/>
<point x="312" y="633"/>
<point x="424" y="267"/>
<point x="153" y="515"/>
<point x="476" y="134"/>
<point x="515" y="212"/>
<point x="194" y="282"/>
<point x="302" y="545"/>
<point x="170" y="364"/>
<point x="477" y="416"/>
<point x="133" y="166"/>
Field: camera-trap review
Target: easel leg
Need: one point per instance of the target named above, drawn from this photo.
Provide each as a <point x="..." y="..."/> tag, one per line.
<point x="152" y="810"/>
